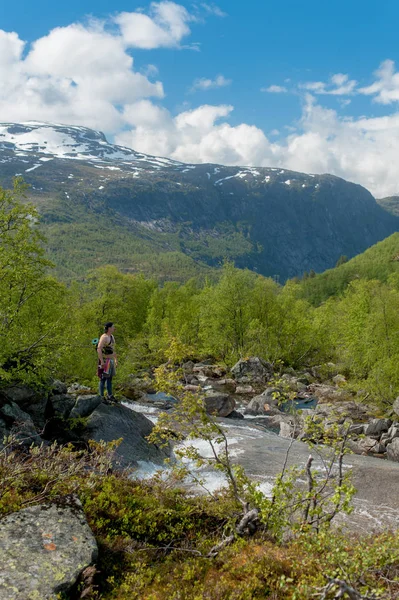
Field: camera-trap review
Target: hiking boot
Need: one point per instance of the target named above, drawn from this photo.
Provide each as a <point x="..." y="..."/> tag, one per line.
<point x="105" y="400"/>
<point x="112" y="400"/>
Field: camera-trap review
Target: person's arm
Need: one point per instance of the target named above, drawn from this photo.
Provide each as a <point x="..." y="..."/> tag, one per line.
<point x="101" y="344"/>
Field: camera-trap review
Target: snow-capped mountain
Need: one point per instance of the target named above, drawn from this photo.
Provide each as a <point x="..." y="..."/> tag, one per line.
<point x="276" y="221"/>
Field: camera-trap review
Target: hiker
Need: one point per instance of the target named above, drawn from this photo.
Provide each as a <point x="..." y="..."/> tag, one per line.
<point x="107" y="361"/>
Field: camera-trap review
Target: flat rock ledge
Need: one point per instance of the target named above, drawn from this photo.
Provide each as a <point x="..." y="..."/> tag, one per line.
<point x="43" y="550"/>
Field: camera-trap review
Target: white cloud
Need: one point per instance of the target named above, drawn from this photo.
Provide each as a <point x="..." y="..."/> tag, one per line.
<point x="209" y="84"/>
<point x="386" y="88"/>
<point x="275" y="89"/>
<point x="164" y="27"/>
<point x="338" y="85"/>
<point x="213" y="9"/>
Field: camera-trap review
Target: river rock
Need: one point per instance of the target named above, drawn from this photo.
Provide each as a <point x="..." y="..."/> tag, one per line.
<point x="58" y="387"/>
<point x="84" y="406"/>
<point x="218" y="404"/>
<point x="30" y="401"/>
<point x="78" y="389"/>
<point x="264" y="404"/>
<point x="43" y="550"/>
<point x="252" y="370"/>
<point x="19" y="424"/>
<point x="377" y="426"/>
<point x="244" y="390"/>
<point x="113" y="422"/>
<point x="393" y="450"/>
<point x="62" y="404"/>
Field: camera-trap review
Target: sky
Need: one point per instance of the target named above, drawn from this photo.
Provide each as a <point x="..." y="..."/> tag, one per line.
<point x="309" y="86"/>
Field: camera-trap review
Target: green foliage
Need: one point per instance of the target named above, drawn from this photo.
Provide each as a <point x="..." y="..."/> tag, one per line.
<point x="32" y="304"/>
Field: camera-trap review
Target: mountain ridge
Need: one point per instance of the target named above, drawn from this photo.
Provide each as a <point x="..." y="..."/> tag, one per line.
<point x="275" y="221"/>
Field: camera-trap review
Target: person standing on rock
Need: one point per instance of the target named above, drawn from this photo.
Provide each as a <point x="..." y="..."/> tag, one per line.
<point x="107" y="361"/>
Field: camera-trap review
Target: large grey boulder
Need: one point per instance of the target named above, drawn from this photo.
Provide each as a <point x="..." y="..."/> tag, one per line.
<point x="377" y="426"/>
<point x="62" y="404"/>
<point x="19" y="424"/>
<point x="113" y="422"/>
<point x="252" y="370"/>
<point x="29" y="400"/>
<point x="84" y="406"/>
<point x="43" y="550"/>
<point x="393" y="450"/>
<point x="58" y="387"/>
<point x="218" y="404"/>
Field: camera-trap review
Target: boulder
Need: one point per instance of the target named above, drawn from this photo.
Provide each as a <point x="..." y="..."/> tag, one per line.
<point x="293" y="383"/>
<point x="113" y="422"/>
<point x="62" y="404"/>
<point x="339" y="380"/>
<point x="252" y="370"/>
<point x="393" y="431"/>
<point x="235" y="415"/>
<point x="43" y="550"/>
<point x="19" y="424"/>
<point x="218" y="404"/>
<point x="371" y="445"/>
<point x="77" y="389"/>
<point x="243" y="390"/>
<point x="377" y="426"/>
<point x="84" y="406"/>
<point x="264" y="404"/>
<point x="31" y="401"/>
<point x="227" y="386"/>
<point x="58" y="387"/>
<point x="395" y="406"/>
<point x="393" y="450"/>
<point x="136" y="387"/>
<point x="328" y="393"/>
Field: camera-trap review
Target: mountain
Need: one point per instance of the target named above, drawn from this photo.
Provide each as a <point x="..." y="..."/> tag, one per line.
<point x="378" y="262"/>
<point x="105" y="203"/>
<point x="390" y="204"/>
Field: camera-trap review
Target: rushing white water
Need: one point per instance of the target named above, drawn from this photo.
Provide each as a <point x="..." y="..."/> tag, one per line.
<point x="262" y="454"/>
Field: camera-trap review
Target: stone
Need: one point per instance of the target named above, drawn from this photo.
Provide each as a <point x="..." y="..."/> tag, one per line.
<point x="77" y="389"/>
<point x="219" y="404"/>
<point x="264" y="404"/>
<point x="136" y="387"/>
<point x="252" y="369"/>
<point x="339" y="379"/>
<point x="188" y="366"/>
<point x="377" y="426"/>
<point x="357" y="428"/>
<point x="31" y="401"/>
<point x="244" y="389"/>
<point x="62" y="404"/>
<point x="393" y="431"/>
<point x="328" y="393"/>
<point x="235" y="415"/>
<point x="371" y="445"/>
<point x="84" y="406"/>
<point x="286" y="429"/>
<point x="43" y="550"/>
<point x="58" y="387"/>
<point x="19" y="424"/>
<point x="393" y="450"/>
<point x="192" y="388"/>
<point x="395" y="406"/>
<point x="112" y="422"/>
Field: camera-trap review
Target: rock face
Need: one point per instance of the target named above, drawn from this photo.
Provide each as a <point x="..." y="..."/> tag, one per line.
<point x="252" y="370"/>
<point x="110" y="423"/>
<point x="43" y="550"/>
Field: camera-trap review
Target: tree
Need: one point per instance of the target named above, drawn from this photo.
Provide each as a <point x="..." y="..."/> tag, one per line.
<point x="30" y="301"/>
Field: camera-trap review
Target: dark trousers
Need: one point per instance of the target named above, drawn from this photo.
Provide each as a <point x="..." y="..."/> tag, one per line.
<point x="106" y="381"/>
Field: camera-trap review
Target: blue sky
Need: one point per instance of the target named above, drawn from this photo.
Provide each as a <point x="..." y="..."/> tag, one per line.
<point x="316" y="62"/>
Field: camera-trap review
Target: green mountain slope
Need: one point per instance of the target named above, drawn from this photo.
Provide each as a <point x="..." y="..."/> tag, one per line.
<point x="378" y="262"/>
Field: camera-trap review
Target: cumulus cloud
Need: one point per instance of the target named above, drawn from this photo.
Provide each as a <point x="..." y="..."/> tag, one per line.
<point x="361" y="150"/>
<point x="76" y="74"/>
<point x="204" y="84"/>
<point x="274" y="89"/>
<point x="164" y="27"/>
